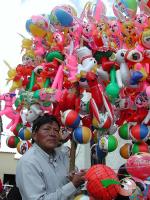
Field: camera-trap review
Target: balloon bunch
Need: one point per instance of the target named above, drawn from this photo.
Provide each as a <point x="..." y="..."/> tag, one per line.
<point x="91" y="71"/>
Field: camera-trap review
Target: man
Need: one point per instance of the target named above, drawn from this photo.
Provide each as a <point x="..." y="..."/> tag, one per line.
<point x="43" y="171"/>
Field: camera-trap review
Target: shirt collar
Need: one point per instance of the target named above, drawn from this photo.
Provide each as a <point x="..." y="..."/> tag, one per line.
<point x="47" y="156"/>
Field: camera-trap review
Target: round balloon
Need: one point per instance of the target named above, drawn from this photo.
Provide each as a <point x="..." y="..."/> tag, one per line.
<point x="82" y="135"/>
<point x="102" y="182"/>
<point x="108" y="143"/>
<point x="138" y="165"/>
<point x="23" y="146"/>
<point x="125" y="150"/>
<point x="140" y="147"/>
<point x="37" y="25"/>
<point x="25" y="133"/>
<point x="12" y="141"/>
<point x="139" y="132"/>
<point x="70" y="118"/>
<point x="124" y="132"/>
<point x="104" y="121"/>
<point x="62" y="16"/>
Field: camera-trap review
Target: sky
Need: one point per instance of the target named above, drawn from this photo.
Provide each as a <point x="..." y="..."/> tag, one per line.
<point x="13" y="15"/>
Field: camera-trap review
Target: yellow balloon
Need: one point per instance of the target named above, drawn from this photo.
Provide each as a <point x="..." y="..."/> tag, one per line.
<point x="37" y="31"/>
<point x="26" y="44"/>
<point x="95" y="122"/>
<point x="11" y="73"/>
<point x="15" y="85"/>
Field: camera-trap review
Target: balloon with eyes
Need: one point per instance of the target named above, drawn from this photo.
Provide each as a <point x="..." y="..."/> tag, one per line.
<point x="87" y="35"/>
<point x="88" y="62"/>
<point x="145" y="39"/>
<point x="123" y="74"/>
<point x="115" y="33"/>
<point x="38" y="46"/>
<point x="58" y="41"/>
<point x="127" y="187"/>
<point x="141" y="22"/>
<point x="129" y="35"/>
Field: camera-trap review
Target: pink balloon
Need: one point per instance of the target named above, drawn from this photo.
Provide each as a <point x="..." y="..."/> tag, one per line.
<point x="139" y="165"/>
<point x="9" y="111"/>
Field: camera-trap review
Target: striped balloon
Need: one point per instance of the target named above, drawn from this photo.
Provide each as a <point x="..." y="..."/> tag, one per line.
<point x="82" y="135"/>
<point x="139" y="132"/>
<point x="70" y="118"/>
<point x="12" y="141"/>
<point x="140" y="147"/>
<point x="25" y="133"/>
<point x="124" y="132"/>
<point x="108" y="143"/>
<point x="125" y="150"/>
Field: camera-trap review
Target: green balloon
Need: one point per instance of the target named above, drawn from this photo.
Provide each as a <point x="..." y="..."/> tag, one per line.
<point x="99" y="55"/>
<point x="19" y="126"/>
<point x="131" y="4"/>
<point x="112" y="89"/>
<point x="124" y="131"/>
<point x="36" y="94"/>
<point x="112" y="143"/>
<point x="18" y="102"/>
<point x="47" y="82"/>
<point x="54" y="54"/>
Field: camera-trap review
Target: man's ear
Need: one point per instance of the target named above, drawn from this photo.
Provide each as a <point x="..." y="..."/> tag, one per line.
<point x="34" y="136"/>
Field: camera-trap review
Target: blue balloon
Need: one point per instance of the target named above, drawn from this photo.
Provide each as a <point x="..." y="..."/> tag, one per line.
<point x="136" y="77"/>
<point x="28" y="23"/>
<point x="64" y="18"/>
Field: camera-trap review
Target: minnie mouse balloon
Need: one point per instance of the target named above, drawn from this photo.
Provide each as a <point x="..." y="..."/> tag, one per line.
<point x="128" y="186"/>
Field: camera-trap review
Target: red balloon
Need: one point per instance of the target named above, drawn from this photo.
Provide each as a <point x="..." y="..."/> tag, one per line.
<point x="87" y="121"/>
<point x="102" y="182"/>
<point x="138" y="165"/>
<point x="36" y="87"/>
<point x="95" y="91"/>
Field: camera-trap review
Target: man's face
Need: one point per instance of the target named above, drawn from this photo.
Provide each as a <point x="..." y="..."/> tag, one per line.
<point x="47" y="136"/>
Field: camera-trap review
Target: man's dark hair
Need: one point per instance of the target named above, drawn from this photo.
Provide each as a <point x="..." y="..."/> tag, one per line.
<point x="46" y="118"/>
